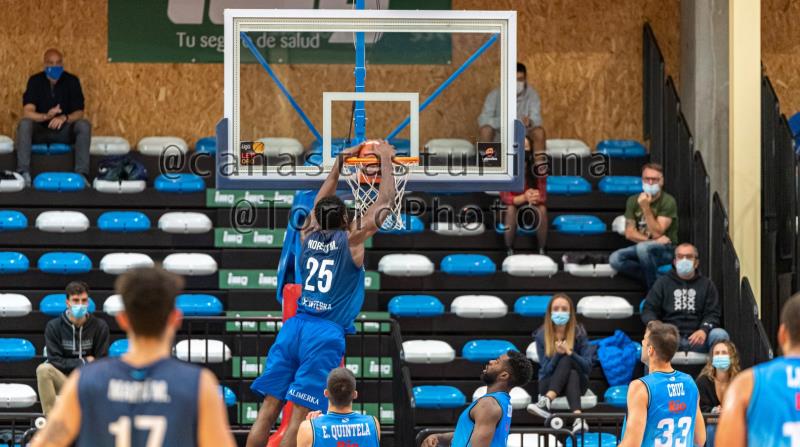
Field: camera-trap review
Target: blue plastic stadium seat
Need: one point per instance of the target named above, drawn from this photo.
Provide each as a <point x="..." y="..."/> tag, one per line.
<point x="50" y="149"/>
<point x="485" y="350"/>
<point x="567" y="185"/>
<point x="438" y="396"/>
<point x="207" y="145"/>
<point x="118" y="348"/>
<point x="532" y="305"/>
<point x="617" y="396"/>
<point x="415" y="306"/>
<point x="59" y="182"/>
<point x="621" y="184"/>
<point x="16" y="350"/>
<point x="180" y="183"/>
<point x="55" y="304"/>
<point x="13" y="262"/>
<point x="228" y="396"/>
<point x="11" y="220"/>
<point x="413" y="224"/>
<point x="794" y="124"/>
<point x="469" y="265"/>
<point x="664" y="269"/>
<point x="65" y="263"/>
<point x="580" y="224"/>
<point x="123" y="221"/>
<point x="621" y="148"/>
<point x="198" y="304"/>
<point x="593" y="439"/>
<point x="500" y="228"/>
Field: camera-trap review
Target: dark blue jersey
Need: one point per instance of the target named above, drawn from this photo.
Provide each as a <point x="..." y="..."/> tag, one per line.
<point x="138" y="407"/>
<point x="773" y="415"/>
<point x="333" y="286"/>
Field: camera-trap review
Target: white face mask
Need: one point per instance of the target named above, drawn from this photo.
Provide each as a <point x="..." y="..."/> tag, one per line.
<point x="520" y="86"/>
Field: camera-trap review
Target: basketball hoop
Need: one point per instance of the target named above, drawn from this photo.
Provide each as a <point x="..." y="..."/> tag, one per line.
<point x="364" y="177"/>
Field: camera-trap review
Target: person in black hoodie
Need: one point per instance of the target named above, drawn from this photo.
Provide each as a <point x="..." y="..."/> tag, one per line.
<point x="73" y="339"/>
<point x="688" y="300"/>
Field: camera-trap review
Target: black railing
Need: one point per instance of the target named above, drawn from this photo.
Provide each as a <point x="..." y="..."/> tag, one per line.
<point x="653" y="94"/>
<point x="17" y="428"/>
<point x="761" y="348"/>
<point x="701" y="210"/>
<point x="522" y="437"/>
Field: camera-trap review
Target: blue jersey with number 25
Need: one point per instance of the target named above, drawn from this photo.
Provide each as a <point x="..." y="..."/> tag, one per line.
<point x="333" y="286"/>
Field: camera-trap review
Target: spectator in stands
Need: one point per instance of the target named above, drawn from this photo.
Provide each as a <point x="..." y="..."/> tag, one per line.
<point x="52" y="112"/>
<point x="534" y="195"/>
<point x="73" y="339"/>
<point x="722" y="367"/>
<point x="529" y="111"/>
<point x="651" y="223"/>
<point x="565" y="359"/>
<point x="687" y="299"/>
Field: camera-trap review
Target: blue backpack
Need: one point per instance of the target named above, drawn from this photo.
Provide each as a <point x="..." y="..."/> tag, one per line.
<point x="618" y="356"/>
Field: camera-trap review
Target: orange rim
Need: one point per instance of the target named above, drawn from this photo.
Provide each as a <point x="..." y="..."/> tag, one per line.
<point x="375" y="160"/>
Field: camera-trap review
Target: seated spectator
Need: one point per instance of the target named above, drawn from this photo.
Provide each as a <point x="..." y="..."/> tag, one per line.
<point x="529" y="111"/>
<point x="52" y="112"/>
<point x="687" y="299"/>
<point x="722" y="367"/>
<point x="651" y="223"/>
<point x="565" y="359"/>
<point x="534" y="195"/>
<point x="73" y="339"/>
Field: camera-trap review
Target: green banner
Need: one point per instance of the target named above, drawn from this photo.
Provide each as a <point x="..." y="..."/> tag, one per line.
<point x="268" y="279"/>
<point x="255" y="238"/>
<point x="225" y="198"/>
<point x="192" y="31"/>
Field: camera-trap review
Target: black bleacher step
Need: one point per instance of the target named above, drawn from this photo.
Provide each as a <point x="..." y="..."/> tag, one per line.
<point x="560" y="282"/>
<point x="463" y="369"/>
<point x="34" y="278"/>
<point x="149" y="198"/>
<point x="94" y="237"/>
<point x="490" y="240"/>
<point x="510" y="324"/>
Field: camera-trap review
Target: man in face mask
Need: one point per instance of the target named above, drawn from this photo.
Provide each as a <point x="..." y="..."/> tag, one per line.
<point x="73" y="339"/>
<point x="529" y="111"/>
<point x="689" y="301"/>
<point x="651" y="223"/>
<point x="52" y="112"/>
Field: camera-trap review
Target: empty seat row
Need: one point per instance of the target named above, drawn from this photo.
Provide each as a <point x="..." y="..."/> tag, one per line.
<point x="18" y="305"/>
<point x="567" y="185"/>
<point x="409" y="265"/>
<point x="114" y="221"/>
<point x="490" y="306"/>
<point x="113" y="263"/>
<point x="447" y="397"/>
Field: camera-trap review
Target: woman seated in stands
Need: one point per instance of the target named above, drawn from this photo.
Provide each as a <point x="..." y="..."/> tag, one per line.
<point x="713" y="381"/>
<point x="532" y="197"/>
<point x="565" y="359"/>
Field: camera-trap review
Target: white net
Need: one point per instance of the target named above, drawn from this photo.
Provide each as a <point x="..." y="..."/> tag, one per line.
<point x="365" y="180"/>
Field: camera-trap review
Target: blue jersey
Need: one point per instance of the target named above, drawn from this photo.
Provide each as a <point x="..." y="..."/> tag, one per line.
<point x="333" y="286"/>
<point x="138" y="407"/>
<point x="671" y="409"/>
<point x="465" y="426"/>
<point x="345" y="430"/>
<point x="773" y="415"/>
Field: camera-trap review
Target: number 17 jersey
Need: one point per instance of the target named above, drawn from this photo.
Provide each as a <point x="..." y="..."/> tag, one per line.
<point x="671" y="409"/>
<point x="333" y="286"/>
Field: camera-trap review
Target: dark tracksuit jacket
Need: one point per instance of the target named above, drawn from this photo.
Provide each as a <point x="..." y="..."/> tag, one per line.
<point x="68" y="345"/>
<point x="689" y="305"/>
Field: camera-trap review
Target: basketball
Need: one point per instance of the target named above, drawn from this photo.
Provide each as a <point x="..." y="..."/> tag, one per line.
<point x="368" y="149"/>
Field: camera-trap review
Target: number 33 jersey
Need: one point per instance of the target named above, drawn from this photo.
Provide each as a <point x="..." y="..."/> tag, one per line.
<point x="333" y="286"/>
<point x="671" y="410"/>
<point x="123" y="406"/>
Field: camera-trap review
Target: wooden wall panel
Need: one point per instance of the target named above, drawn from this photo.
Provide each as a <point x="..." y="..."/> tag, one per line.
<point x="780" y="50"/>
<point x="584" y="57"/>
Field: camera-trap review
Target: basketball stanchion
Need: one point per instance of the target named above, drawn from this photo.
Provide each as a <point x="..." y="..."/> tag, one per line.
<point x="291" y="293"/>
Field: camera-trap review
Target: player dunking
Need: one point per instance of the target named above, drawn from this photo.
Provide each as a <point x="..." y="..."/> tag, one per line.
<point x="312" y="343"/>
<point x="663" y="406"/>
<point x="145" y="398"/>
<point x="487" y="421"/>
<point x="341" y="426"/>
<point x="762" y="406"/>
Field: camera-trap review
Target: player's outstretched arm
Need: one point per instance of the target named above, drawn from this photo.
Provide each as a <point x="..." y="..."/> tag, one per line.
<point x="637" y="415"/>
<point x="370" y="222"/>
<point x="328" y="188"/>
<point x="65" y="419"/>
<point x="486" y="414"/>
<point x="699" y="427"/>
<point x="212" y="424"/>
<point x="732" y="426"/>
<point x="305" y="435"/>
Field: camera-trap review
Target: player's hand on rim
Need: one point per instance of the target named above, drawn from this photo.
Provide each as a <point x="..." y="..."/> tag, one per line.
<point x="384" y="149"/>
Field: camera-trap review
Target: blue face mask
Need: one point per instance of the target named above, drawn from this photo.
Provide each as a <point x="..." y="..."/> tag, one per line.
<point x="722" y="362"/>
<point x="54" y="72"/>
<point x="651" y="188"/>
<point x="78" y="310"/>
<point x="559" y="318"/>
<point x="684" y="267"/>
